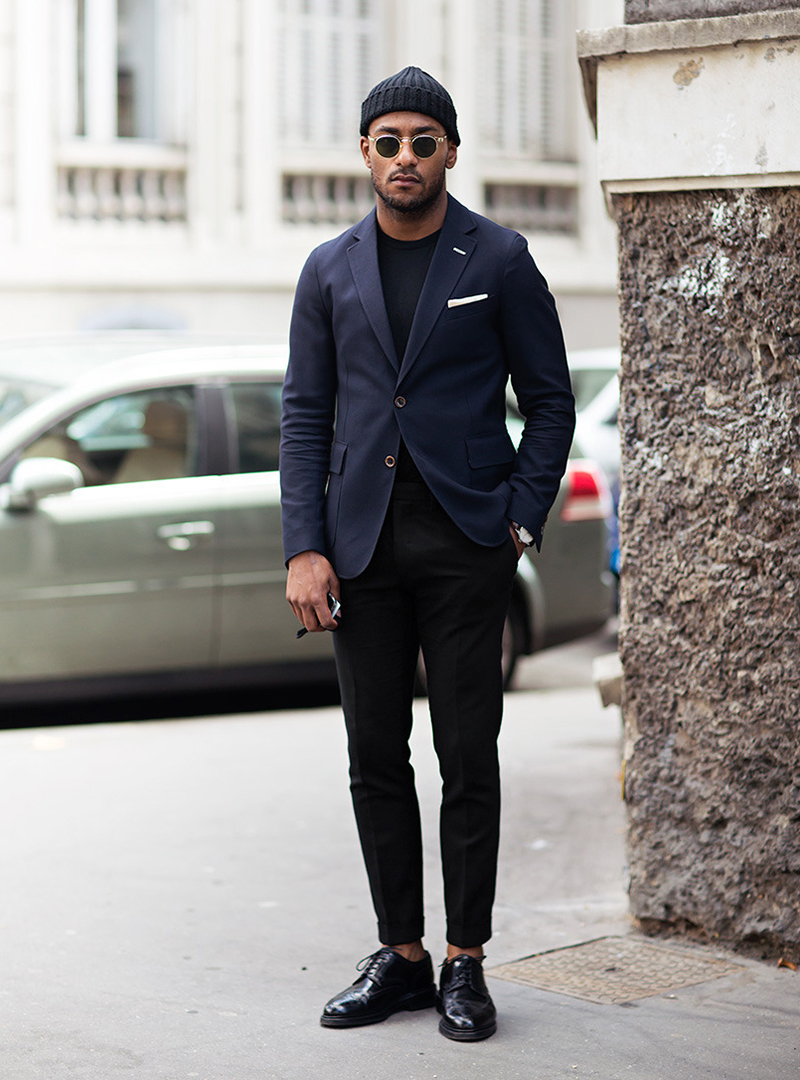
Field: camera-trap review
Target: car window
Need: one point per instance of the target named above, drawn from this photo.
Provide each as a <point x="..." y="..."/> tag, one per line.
<point x="146" y="435"/>
<point x="514" y="424"/>
<point x="587" y="384"/>
<point x="257" y="415"/>
<point x="15" y="396"/>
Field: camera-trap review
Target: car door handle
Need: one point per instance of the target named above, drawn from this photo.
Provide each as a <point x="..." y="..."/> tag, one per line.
<point x="185" y="535"/>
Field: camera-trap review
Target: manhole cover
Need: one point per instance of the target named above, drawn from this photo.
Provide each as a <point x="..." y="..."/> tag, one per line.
<point x="613" y="970"/>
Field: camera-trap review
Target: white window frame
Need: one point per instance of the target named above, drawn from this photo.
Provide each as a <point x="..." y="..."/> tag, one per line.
<point x="95" y="117"/>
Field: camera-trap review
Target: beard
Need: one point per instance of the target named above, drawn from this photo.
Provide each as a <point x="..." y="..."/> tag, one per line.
<point x="415" y="207"/>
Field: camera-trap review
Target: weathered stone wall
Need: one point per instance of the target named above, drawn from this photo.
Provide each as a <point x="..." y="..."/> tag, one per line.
<point x="710" y="526"/>
<point x="639" y="11"/>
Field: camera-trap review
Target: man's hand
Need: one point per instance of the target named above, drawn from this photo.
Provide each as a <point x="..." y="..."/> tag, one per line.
<point x="311" y="578"/>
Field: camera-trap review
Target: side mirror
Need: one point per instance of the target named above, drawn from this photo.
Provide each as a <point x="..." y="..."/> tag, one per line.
<point x="34" y="478"/>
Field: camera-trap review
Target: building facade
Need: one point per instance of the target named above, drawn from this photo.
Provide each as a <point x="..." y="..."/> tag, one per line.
<point x="170" y="163"/>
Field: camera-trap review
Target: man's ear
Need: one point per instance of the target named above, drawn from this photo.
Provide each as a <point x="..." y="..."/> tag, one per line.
<point x="452" y="154"/>
<point x="365" y="149"/>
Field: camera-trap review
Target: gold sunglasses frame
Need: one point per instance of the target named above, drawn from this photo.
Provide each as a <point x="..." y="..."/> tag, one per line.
<point x="406" y="139"/>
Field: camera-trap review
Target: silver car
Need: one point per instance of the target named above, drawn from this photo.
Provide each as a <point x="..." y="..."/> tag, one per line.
<point x="595" y="383"/>
<point x="140" y="540"/>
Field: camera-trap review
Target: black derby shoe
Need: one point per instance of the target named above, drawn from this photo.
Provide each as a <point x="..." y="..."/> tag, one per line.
<point x="389" y="984"/>
<point x="468" y="1012"/>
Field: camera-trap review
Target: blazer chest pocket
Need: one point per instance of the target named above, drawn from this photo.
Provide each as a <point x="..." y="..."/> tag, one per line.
<point x="487" y="308"/>
<point x="490" y="459"/>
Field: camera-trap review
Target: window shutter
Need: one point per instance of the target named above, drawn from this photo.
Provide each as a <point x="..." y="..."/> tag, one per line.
<point x="526" y="80"/>
<point x="328" y="51"/>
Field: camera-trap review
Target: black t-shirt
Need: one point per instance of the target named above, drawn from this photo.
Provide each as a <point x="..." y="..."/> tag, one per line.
<point x="404" y="267"/>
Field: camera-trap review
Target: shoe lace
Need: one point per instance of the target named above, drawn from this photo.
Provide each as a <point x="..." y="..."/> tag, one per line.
<point x="462" y="976"/>
<point x="372" y="963"/>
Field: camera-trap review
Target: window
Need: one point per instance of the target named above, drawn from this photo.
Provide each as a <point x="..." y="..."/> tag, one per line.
<point x="136" y="74"/>
<point x="122" y="69"/>
<point x="148" y="435"/>
<point x="329" y="54"/>
<point x="257" y="415"/>
<point x="528" y="79"/>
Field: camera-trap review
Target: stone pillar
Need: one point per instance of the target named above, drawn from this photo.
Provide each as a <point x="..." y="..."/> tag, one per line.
<point x="641" y="11"/>
<point x="700" y="160"/>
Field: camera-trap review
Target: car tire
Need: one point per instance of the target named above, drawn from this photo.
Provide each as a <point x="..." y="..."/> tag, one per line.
<point x="513" y="640"/>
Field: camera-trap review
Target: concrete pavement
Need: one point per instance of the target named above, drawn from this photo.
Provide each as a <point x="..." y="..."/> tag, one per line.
<point x="181" y="897"/>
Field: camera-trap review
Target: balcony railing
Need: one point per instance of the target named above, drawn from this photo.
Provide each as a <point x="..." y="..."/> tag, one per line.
<point x="326" y="200"/>
<point x="121" y="181"/>
<point x="533" y="208"/>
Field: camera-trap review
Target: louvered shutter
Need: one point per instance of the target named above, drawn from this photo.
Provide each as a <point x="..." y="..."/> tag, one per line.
<point x="527" y="84"/>
<point x="329" y="53"/>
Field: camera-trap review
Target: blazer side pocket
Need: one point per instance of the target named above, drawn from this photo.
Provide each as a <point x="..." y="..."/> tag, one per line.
<point x="333" y="493"/>
<point x="490" y="459"/>
<point x="494" y="449"/>
<point x="338" y="451"/>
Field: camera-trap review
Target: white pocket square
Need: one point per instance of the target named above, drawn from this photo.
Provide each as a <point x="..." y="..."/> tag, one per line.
<point x="461" y="300"/>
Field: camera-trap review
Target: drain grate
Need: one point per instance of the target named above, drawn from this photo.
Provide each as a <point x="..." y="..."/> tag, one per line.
<point x="614" y="970"/>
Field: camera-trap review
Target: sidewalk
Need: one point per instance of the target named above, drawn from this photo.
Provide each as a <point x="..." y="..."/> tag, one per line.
<point x="181" y="897"/>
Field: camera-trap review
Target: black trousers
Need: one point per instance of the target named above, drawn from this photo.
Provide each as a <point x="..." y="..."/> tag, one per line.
<point x="426" y="586"/>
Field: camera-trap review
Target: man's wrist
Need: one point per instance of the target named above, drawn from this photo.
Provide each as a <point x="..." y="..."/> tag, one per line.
<point x="524" y="537"/>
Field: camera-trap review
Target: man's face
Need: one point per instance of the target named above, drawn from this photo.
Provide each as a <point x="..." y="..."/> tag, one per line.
<point x="407" y="184"/>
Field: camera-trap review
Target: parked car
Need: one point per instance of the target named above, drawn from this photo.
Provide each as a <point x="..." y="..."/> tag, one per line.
<point x="595" y="382"/>
<point x="564" y="591"/>
<point x="140" y="541"/>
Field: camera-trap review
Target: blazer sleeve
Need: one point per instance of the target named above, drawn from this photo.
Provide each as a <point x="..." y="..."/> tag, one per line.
<point x="537" y="362"/>
<point x="309" y="397"/>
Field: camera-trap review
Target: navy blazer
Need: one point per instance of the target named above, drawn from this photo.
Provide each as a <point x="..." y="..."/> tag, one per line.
<point x="484" y="314"/>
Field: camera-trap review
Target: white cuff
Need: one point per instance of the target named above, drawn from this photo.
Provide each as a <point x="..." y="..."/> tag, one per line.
<point x="523" y="535"/>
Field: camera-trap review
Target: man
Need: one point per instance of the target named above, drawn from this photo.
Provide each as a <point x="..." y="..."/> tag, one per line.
<point x="405" y="500"/>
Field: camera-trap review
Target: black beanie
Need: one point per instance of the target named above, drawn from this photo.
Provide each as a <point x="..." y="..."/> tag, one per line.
<point x="411" y="90"/>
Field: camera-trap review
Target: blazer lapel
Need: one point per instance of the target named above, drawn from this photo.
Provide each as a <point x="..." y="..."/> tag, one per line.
<point x="363" y="256"/>
<point x="453" y="252"/>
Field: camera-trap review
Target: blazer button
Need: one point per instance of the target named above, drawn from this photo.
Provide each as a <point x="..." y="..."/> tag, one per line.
<point x="399" y="402"/>
<point x="389" y="461"/>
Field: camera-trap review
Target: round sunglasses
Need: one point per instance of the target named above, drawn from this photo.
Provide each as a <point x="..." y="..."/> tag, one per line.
<point x="423" y="146"/>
